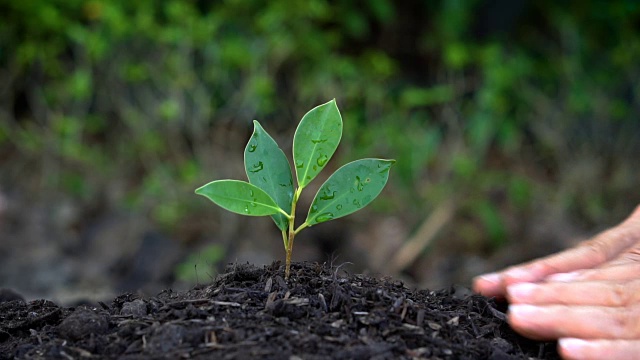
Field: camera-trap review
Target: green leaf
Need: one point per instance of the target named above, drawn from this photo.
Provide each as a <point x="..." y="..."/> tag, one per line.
<point x="268" y="168"/>
<point x="316" y="139"/>
<point x="349" y="189"/>
<point x="239" y="197"/>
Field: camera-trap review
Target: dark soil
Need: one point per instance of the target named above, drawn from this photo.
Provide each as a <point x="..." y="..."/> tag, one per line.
<point x="249" y="312"/>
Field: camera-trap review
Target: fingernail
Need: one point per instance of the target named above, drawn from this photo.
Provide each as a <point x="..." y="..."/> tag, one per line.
<point x="524" y="311"/>
<point x="573" y="347"/>
<point x="518" y="274"/>
<point x="521" y="291"/>
<point x="563" y="277"/>
<point x="493" y="278"/>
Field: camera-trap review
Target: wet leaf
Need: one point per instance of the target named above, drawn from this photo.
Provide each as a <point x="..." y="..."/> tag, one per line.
<point x="268" y="168"/>
<point x="239" y="197"/>
<point x="349" y="189"/>
<point x="316" y="140"/>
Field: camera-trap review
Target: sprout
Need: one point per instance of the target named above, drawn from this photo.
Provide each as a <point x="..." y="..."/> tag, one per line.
<point x="271" y="191"/>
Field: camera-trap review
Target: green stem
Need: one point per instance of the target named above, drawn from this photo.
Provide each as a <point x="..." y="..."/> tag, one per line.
<point x="292" y="233"/>
<point x="304" y="225"/>
<point x="284" y="213"/>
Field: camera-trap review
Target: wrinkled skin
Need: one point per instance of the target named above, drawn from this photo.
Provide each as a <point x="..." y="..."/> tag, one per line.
<point x="588" y="296"/>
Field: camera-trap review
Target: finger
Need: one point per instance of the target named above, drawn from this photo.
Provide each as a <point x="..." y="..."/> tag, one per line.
<point x="586" y="322"/>
<point x="490" y="285"/>
<point x="605" y="246"/>
<point x="494" y="284"/>
<point x="630" y="256"/>
<point x="591" y="293"/>
<point x="611" y="273"/>
<point x="574" y="349"/>
<point x="588" y="254"/>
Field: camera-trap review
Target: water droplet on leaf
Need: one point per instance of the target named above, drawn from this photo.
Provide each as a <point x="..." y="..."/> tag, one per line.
<point x="339" y="207"/>
<point x="318" y="141"/>
<point x="252" y="147"/>
<point x="322" y="159"/>
<point x="299" y="164"/>
<point x="359" y="183"/>
<point x="328" y="196"/>
<point x="383" y="168"/>
<point x="257" y="167"/>
<point x="324" y="217"/>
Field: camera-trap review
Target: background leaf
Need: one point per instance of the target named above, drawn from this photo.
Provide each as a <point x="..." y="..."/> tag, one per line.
<point x="349" y="189"/>
<point x="239" y="197"/>
<point x="316" y="139"/>
<point x="268" y="168"/>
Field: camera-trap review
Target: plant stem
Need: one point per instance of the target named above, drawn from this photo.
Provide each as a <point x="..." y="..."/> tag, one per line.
<point x="287" y="268"/>
<point x="292" y="234"/>
<point x="304" y="225"/>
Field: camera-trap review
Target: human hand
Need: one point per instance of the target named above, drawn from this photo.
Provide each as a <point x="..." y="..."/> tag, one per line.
<point x="587" y="296"/>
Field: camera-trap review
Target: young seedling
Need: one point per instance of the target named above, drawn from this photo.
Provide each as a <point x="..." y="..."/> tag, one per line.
<point x="270" y="190"/>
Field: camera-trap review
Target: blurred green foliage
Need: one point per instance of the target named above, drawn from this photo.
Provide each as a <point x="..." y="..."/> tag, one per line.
<point x="496" y="104"/>
<point x="201" y="265"/>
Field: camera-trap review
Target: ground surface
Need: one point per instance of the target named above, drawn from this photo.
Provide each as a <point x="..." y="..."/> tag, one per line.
<point x="250" y="312"/>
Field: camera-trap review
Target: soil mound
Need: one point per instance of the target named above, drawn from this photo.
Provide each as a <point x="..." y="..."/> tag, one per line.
<point x="251" y="312"/>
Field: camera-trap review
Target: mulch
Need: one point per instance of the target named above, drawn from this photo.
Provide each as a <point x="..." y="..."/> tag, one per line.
<point x="247" y="312"/>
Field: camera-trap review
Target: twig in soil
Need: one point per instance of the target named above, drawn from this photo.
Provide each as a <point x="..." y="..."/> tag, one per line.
<point x="64" y="354"/>
<point x="404" y="312"/>
<point x="185" y="302"/>
<point x="497" y="313"/>
<point x="335" y="273"/>
<point x="82" y="352"/>
<point x="193" y="301"/>
<point x="104" y="306"/>
<point x="213" y="347"/>
<point x="267" y="286"/>
<point x="323" y="303"/>
<point x="298" y="301"/>
<point x="420" y="317"/>
<point x="270" y="300"/>
<point x="226" y="303"/>
<point x="211" y="339"/>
